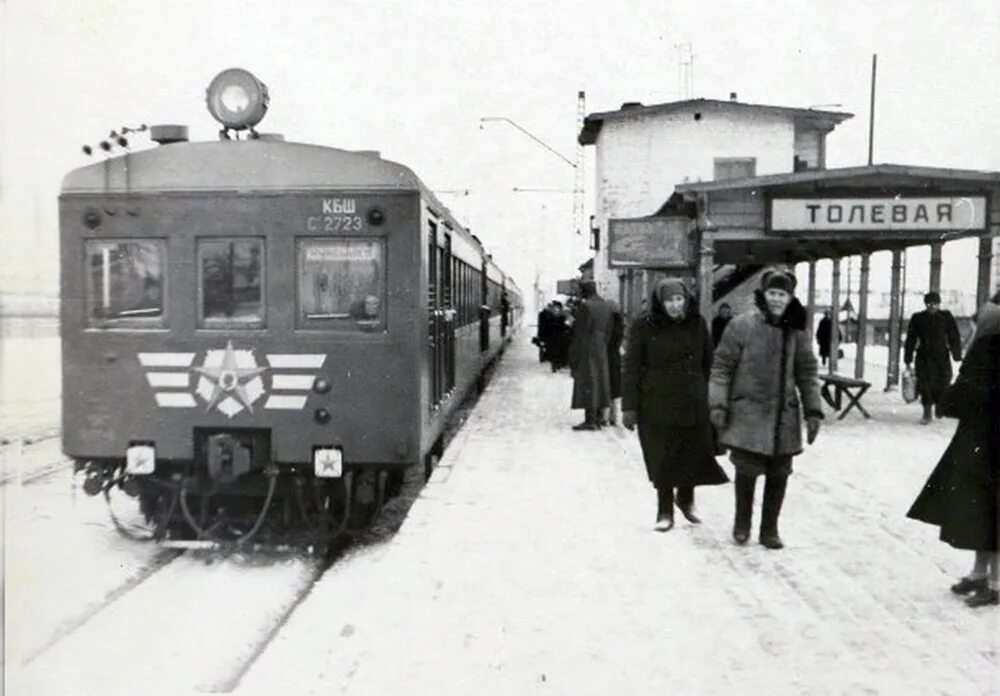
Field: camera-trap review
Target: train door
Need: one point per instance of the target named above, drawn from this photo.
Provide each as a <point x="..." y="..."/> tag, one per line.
<point x="433" y="315"/>
<point x="448" y="314"/>
<point x="484" y="312"/>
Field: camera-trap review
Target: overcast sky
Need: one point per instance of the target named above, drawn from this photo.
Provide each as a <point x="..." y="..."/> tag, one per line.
<point x="412" y="79"/>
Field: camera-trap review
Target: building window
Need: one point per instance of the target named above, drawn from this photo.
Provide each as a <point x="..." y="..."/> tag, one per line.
<point x="735" y="167"/>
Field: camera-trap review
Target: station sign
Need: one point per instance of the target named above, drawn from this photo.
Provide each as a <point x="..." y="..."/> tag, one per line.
<point x="886" y="214"/>
<point x="568" y="287"/>
<point x="650" y="242"/>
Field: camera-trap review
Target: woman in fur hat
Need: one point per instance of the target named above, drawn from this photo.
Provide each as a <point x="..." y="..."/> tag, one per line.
<point x="665" y="393"/>
<point x="962" y="495"/>
<point x="764" y="358"/>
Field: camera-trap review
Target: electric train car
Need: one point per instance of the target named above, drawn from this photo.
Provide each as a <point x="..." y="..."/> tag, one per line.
<point x="259" y="334"/>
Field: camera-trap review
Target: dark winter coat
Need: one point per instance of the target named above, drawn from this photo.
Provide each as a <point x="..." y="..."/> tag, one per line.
<point x="665" y="381"/>
<point x="759" y="366"/>
<point x="588" y="354"/>
<point x="718" y="327"/>
<point x="823" y="336"/>
<point x="933" y="335"/>
<point x="961" y="496"/>
<point x="615" y="350"/>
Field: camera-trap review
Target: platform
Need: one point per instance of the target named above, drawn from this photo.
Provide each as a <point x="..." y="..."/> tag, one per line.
<point x="529" y="565"/>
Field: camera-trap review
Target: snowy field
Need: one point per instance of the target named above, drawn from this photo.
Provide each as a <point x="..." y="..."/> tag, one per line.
<point x="527" y="566"/>
<point x="30" y="377"/>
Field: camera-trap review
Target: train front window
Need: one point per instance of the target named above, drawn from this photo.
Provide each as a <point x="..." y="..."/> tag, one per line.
<point x="125" y="285"/>
<point x="341" y="284"/>
<point x="231" y="283"/>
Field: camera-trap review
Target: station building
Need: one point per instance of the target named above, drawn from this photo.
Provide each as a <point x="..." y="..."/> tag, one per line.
<point x="643" y="152"/>
<point x="715" y="190"/>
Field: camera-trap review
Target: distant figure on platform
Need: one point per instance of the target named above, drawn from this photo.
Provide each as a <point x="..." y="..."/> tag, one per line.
<point x="720" y="321"/>
<point x="933" y="333"/>
<point x="962" y="495"/>
<point x="559" y="336"/>
<point x="615" y="359"/>
<point x="588" y="356"/>
<point x="824" y="336"/>
<point x="764" y="357"/>
<point x="543" y="333"/>
<point x="665" y="393"/>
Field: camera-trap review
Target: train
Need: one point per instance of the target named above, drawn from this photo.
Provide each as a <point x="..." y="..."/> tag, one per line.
<point x="260" y="335"/>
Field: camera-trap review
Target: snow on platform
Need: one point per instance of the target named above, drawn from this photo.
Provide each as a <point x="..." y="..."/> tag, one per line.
<point x="529" y="566"/>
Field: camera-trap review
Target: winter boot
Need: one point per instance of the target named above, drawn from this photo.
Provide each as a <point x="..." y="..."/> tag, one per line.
<point x="744" y="487"/>
<point x="774" y="495"/>
<point x="928" y="416"/>
<point x="685" y="501"/>
<point x="664" y="510"/>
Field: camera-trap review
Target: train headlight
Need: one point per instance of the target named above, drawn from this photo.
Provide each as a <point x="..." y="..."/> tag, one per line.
<point x="140" y="459"/>
<point x="321" y="385"/>
<point x="328" y="462"/>
<point x="237" y="99"/>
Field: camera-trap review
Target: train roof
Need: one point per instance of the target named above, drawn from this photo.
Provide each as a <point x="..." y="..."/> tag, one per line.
<point x="236" y="165"/>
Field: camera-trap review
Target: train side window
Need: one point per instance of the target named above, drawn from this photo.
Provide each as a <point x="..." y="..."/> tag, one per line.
<point x="341" y="284"/>
<point x="230" y="283"/>
<point x="125" y="282"/>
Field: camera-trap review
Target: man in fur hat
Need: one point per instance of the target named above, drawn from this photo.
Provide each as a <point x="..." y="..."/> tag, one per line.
<point x="763" y="369"/>
<point x="932" y="334"/>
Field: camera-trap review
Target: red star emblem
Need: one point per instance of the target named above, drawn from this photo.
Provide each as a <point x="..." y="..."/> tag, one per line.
<point x="228" y="379"/>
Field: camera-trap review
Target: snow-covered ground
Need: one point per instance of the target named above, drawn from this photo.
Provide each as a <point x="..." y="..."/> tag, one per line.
<point x="529" y="565"/>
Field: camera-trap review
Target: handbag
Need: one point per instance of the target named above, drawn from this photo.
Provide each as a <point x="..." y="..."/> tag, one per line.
<point x="909" y="386"/>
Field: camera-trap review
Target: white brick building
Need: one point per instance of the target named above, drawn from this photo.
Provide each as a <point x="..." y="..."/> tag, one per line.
<point x="644" y="151"/>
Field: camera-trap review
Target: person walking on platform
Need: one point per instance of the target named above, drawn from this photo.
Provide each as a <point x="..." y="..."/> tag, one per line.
<point x="720" y="321"/>
<point x="588" y="356"/>
<point x="665" y="394"/>
<point x="543" y="335"/>
<point x="824" y="334"/>
<point x="764" y="357"/>
<point x="615" y="359"/>
<point x="932" y="333"/>
<point x="962" y="495"/>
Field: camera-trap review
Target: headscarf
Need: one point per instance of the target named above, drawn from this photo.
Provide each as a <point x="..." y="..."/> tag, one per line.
<point x="669" y="286"/>
<point x="987" y="321"/>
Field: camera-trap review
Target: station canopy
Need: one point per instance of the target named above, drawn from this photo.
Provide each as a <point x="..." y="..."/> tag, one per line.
<point x="830" y="213"/>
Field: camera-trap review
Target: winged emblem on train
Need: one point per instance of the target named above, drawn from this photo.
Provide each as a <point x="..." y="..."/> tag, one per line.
<point x="231" y="380"/>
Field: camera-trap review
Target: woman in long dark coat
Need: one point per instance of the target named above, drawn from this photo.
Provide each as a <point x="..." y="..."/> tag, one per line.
<point x="961" y="496"/>
<point x="665" y="393"/>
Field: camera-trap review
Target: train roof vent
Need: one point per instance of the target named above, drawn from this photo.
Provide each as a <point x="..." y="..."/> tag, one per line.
<point x="369" y="153"/>
<point x="165" y="133"/>
<point x="271" y="137"/>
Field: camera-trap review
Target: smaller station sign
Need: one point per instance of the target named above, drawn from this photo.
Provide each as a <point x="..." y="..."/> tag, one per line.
<point x="889" y="214"/>
<point x="651" y="242"/>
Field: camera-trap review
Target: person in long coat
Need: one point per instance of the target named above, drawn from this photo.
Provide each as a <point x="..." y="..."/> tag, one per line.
<point x="824" y="332"/>
<point x="763" y="379"/>
<point x="588" y="356"/>
<point x="615" y="358"/>
<point x="933" y="334"/>
<point x="665" y="393"/>
<point x="961" y="496"/>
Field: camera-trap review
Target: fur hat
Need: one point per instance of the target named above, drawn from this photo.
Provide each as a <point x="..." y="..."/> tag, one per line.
<point x="932" y="298"/>
<point x="779" y="278"/>
<point x="670" y="286"/>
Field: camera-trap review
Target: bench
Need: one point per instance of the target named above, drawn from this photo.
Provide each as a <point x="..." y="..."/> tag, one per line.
<point x="853" y="388"/>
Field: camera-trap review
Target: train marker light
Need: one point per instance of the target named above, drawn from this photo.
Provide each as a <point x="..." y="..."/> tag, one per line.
<point x="237" y="99"/>
<point x="328" y="462"/>
<point x="321" y="385"/>
<point x="140" y="459"/>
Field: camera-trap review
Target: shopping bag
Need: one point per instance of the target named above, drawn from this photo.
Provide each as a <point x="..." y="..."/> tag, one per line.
<point x="909" y="386"/>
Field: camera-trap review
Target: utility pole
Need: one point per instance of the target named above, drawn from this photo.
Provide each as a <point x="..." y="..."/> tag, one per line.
<point x="578" y="178"/>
